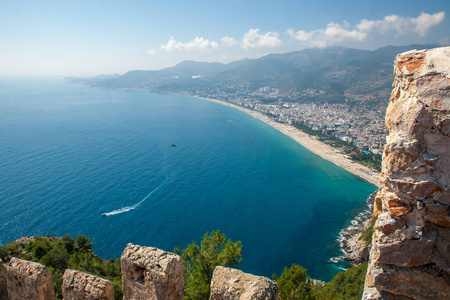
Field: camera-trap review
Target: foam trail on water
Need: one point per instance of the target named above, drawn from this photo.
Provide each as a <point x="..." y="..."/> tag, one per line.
<point x="128" y="208"/>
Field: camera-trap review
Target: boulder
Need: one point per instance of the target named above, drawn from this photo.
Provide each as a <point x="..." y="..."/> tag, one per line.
<point x="29" y="281"/>
<point x="233" y="284"/>
<point x="78" y="285"/>
<point x="151" y="273"/>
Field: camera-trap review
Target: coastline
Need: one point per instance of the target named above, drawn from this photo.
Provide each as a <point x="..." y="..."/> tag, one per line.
<point x="311" y="143"/>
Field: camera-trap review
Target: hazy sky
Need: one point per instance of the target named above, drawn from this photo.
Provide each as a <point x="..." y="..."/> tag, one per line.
<point x="41" y="37"/>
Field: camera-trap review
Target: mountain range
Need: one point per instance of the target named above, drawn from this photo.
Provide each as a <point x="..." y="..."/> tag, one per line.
<point x="334" y="74"/>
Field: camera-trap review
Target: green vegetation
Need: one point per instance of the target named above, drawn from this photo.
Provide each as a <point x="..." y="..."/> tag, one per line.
<point x="295" y="284"/>
<point x="199" y="262"/>
<point x="367" y="234"/>
<point x="348" y="285"/>
<point x="59" y="254"/>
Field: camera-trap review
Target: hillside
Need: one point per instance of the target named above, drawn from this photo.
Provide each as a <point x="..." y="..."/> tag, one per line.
<point x="334" y="74"/>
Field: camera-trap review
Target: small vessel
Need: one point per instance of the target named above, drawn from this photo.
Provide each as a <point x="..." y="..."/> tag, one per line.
<point x="104" y="215"/>
<point x="173" y="145"/>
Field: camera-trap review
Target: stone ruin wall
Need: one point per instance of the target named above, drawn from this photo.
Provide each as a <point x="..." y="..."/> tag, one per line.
<point x="147" y="273"/>
<point x="410" y="256"/>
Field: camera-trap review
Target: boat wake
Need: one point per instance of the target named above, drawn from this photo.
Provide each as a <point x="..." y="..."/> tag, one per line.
<point x="132" y="207"/>
<point x="128" y="208"/>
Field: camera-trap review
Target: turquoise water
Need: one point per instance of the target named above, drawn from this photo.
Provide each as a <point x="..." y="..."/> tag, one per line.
<point x="70" y="153"/>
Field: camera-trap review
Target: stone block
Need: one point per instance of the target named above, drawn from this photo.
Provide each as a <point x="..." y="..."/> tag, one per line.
<point x="233" y="284"/>
<point x="438" y="214"/>
<point x="29" y="281"/>
<point x="151" y="273"/>
<point x="78" y="286"/>
<point x="413" y="284"/>
<point x="408" y="253"/>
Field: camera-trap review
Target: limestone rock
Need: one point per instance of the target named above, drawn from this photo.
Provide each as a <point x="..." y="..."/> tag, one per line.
<point x="78" y="285"/>
<point x="420" y="285"/>
<point x="408" y="253"/>
<point x="151" y="273"/>
<point x="233" y="284"/>
<point x="410" y="257"/>
<point x="29" y="281"/>
<point x="388" y="224"/>
<point x="3" y="282"/>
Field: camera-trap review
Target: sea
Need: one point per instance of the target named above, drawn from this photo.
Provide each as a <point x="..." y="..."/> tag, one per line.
<point x="161" y="170"/>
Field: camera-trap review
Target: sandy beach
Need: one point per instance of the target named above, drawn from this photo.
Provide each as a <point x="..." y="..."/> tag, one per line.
<point x="310" y="142"/>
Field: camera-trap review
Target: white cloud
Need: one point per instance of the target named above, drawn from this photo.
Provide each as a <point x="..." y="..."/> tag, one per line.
<point x="171" y="45"/>
<point x="253" y="39"/>
<point x="151" y="51"/>
<point x="335" y="33"/>
<point x="425" y="21"/>
<point x="300" y="35"/>
<point x="229" y="41"/>
<point x="199" y="43"/>
<point x="403" y="25"/>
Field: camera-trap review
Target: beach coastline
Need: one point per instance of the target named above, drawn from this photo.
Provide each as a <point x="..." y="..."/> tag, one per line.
<point x="311" y="143"/>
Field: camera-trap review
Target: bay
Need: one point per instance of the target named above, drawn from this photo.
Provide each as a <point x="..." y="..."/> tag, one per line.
<point x="70" y="153"/>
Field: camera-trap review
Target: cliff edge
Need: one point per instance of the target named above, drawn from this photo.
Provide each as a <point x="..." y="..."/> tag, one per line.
<point x="410" y="256"/>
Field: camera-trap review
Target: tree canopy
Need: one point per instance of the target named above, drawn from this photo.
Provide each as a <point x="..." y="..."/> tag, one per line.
<point x="199" y="262"/>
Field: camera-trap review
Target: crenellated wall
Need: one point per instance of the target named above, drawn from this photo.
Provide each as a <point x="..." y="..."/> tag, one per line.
<point x="147" y="273"/>
<point x="410" y="256"/>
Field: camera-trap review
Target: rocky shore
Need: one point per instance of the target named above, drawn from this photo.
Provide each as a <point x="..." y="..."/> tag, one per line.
<point x="354" y="249"/>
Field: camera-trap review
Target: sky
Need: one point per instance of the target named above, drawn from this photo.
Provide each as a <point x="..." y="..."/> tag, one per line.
<point x="85" y="38"/>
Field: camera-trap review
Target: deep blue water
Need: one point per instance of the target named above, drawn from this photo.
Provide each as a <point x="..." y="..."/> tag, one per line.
<point x="69" y="153"/>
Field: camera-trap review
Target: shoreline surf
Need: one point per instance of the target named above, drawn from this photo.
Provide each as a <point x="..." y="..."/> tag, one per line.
<point x="311" y="143"/>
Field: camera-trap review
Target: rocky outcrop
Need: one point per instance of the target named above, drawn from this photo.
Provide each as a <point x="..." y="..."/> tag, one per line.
<point x="232" y="284"/>
<point x="410" y="256"/>
<point x="151" y="273"/>
<point x="350" y="238"/>
<point x="78" y="285"/>
<point x="29" y="281"/>
<point x="3" y="282"/>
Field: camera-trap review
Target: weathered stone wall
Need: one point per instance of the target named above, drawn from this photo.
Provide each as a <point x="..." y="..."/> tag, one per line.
<point x="410" y="256"/>
<point x="29" y="281"/>
<point x="147" y="273"/>
<point x="78" y="286"/>
<point x="3" y="282"/>
<point x="232" y="284"/>
<point x="151" y="273"/>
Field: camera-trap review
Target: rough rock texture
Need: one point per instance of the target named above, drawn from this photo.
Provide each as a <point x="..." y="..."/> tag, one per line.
<point x="354" y="247"/>
<point x="410" y="257"/>
<point x="3" y="282"/>
<point x="151" y="273"/>
<point x="29" y="281"/>
<point x="232" y="284"/>
<point x="78" y="285"/>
